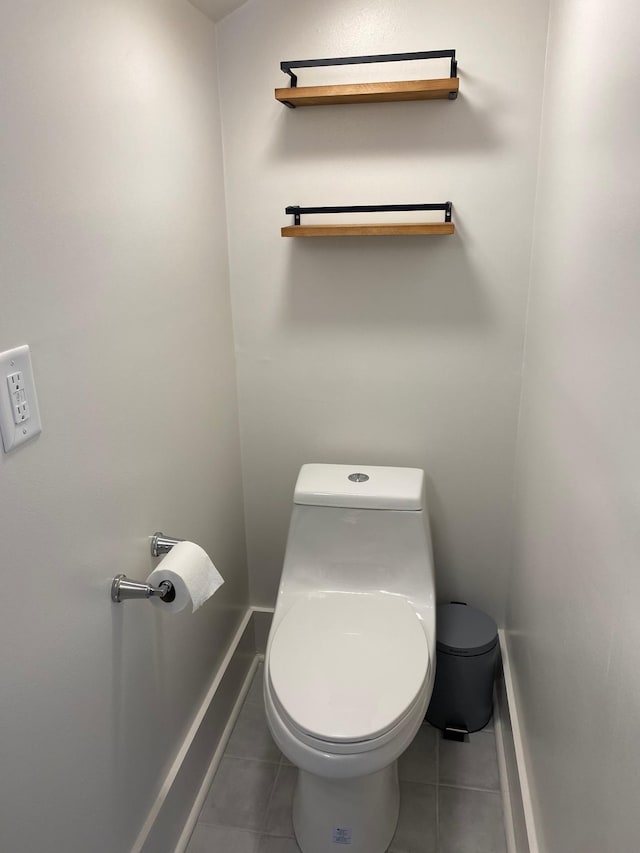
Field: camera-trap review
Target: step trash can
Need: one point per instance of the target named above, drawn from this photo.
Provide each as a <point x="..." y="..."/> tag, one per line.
<point x="466" y="657"/>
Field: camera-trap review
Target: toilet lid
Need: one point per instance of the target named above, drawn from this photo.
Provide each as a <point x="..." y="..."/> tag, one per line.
<point x="347" y="667"/>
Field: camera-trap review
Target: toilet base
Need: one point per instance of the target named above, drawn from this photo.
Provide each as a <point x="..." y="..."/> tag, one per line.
<point x="357" y="815"/>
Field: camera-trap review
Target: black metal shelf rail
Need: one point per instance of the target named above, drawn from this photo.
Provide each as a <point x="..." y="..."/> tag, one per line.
<point x="363" y="60"/>
<point x="297" y="212"/>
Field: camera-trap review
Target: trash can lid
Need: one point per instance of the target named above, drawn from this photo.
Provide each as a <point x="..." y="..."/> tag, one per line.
<point x="463" y="630"/>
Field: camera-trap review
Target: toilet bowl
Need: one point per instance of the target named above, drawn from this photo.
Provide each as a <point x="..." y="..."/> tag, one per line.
<point x="350" y="660"/>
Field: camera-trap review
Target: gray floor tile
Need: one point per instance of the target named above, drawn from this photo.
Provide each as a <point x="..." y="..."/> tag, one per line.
<point x="269" y="844"/>
<point x="418" y="763"/>
<point x="248" y="809"/>
<point x="473" y="764"/>
<point x="251" y="737"/>
<point x="240" y="794"/>
<point x="470" y="822"/>
<point x="255" y="695"/>
<point x="279" y="820"/>
<point x="221" y="839"/>
<point x="416" y="832"/>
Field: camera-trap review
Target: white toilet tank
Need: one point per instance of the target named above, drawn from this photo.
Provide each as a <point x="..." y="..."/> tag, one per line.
<point x="359" y="529"/>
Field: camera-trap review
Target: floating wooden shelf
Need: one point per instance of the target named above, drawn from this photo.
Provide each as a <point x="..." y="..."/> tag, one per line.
<point x="363" y="93"/>
<point x="369" y="93"/>
<point x="374" y="230"/>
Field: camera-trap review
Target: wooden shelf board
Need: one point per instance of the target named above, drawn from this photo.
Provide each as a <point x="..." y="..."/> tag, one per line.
<point x="374" y="230"/>
<point x="363" y="93"/>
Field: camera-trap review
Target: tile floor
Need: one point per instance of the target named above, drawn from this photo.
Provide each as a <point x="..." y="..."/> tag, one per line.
<point x="450" y="799"/>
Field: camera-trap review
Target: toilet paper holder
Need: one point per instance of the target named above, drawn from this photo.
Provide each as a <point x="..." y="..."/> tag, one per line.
<point x="123" y="588"/>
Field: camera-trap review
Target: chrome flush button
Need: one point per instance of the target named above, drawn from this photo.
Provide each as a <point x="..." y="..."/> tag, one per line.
<point x="358" y="478"/>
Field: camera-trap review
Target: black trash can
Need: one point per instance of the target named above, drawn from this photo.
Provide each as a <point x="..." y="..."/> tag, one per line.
<point x="466" y="656"/>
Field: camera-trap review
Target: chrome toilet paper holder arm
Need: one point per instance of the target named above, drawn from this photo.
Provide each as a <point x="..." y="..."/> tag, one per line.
<point x="123" y="588"/>
<point x="161" y="544"/>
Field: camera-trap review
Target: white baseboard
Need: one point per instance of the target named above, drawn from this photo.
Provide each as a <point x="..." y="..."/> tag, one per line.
<point x="260" y="624"/>
<point x="189" y="826"/>
<point x="519" y="820"/>
<point x="164" y="829"/>
<point x="503" y="772"/>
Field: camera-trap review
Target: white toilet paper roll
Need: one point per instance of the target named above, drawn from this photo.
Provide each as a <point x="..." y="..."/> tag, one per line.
<point x="192" y="574"/>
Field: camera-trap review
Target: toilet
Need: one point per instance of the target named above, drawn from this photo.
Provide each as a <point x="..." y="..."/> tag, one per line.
<point x="350" y="659"/>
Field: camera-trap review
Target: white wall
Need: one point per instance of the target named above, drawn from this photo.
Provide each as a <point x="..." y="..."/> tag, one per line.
<point x="114" y="269"/>
<point x="401" y="351"/>
<point x="574" y="631"/>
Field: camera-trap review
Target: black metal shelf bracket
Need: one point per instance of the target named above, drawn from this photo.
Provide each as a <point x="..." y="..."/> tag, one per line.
<point x="296" y="211"/>
<point x="363" y="60"/>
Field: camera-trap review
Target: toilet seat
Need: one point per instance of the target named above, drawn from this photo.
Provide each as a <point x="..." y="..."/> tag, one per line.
<point x="346" y="668"/>
<point x="342" y="749"/>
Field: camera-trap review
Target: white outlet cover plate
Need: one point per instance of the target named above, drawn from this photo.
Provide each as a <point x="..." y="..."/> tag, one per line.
<point x="13" y="435"/>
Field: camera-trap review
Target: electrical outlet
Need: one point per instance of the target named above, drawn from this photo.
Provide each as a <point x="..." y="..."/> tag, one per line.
<point x="15" y="381"/>
<point x="19" y="413"/>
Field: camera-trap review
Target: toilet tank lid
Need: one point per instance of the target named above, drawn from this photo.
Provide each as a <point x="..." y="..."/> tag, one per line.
<point x="360" y="486"/>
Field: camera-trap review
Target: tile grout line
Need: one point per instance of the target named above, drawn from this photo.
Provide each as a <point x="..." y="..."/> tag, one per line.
<point x="450" y="785"/>
<point x="250" y="758"/>
<point x="270" y="800"/>
<point x="261" y="832"/>
<point x="255" y="832"/>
